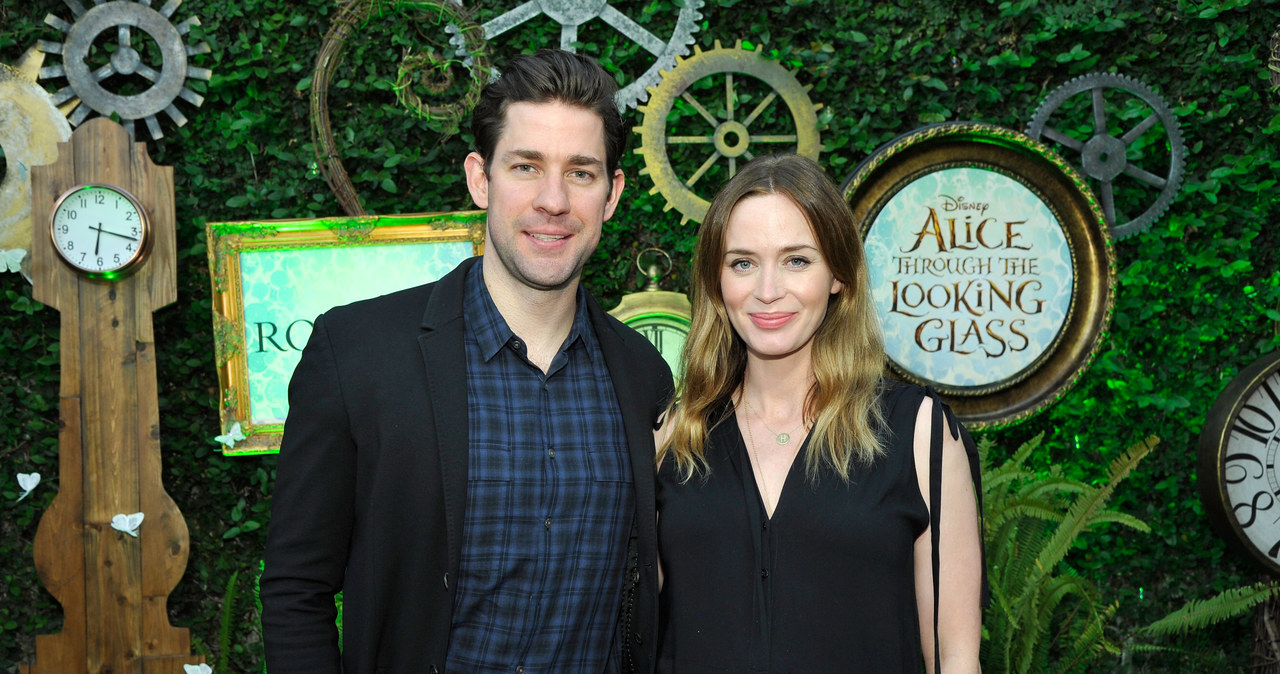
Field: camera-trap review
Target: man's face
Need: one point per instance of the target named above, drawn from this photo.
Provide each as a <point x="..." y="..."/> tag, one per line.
<point x="547" y="192"/>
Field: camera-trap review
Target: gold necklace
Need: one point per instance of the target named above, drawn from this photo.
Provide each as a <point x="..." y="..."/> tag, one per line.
<point x="780" y="438"/>
<point x="764" y="488"/>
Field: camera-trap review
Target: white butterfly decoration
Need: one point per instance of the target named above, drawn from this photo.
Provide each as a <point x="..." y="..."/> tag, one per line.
<point x="232" y="437"/>
<point x="127" y="523"/>
<point x="28" y="482"/>
<point x="197" y="669"/>
<point x="11" y="260"/>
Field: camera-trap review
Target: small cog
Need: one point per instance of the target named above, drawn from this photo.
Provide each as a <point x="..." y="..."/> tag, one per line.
<point x="168" y="78"/>
<point x="729" y="135"/>
<point x="1104" y="155"/>
<point x="573" y="13"/>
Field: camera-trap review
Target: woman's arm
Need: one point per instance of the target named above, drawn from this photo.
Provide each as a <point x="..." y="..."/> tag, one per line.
<point x="960" y="555"/>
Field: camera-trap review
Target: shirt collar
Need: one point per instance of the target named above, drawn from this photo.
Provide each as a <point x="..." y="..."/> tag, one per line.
<point x="490" y="329"/>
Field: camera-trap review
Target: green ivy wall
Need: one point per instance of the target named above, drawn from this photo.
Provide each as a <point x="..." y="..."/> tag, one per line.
<point x="1197" y="297"/>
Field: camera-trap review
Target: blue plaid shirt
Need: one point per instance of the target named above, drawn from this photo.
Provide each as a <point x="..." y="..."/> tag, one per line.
<point x="549" y="503"/>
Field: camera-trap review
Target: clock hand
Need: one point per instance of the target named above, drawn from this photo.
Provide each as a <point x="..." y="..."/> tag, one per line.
<point x="102" y="231"/>
<point x="98" y="240"/>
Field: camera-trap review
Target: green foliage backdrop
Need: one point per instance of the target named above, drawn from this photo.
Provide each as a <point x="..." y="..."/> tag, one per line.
<point x="1198" y="295"/>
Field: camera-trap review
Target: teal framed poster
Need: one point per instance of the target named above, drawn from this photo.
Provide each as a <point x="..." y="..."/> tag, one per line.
<point x="271" y="278"/>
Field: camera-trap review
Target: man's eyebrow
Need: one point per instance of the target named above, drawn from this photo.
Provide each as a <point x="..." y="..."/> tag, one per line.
<point x="527" y="155"/>
<point x="536" y="156"/>
<point x="585" y="160"/>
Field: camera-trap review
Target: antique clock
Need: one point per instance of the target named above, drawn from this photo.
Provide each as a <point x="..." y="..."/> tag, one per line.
<point x="100" y="230"/>
<point x="1239" y="445"/>
<point x="662" y="316"/>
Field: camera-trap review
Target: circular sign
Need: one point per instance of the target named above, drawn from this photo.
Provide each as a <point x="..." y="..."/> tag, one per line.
<point x="1239" y="447"/>
<point x="990" y="266"/>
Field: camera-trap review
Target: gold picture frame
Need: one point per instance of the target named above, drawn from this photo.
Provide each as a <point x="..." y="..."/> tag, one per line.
<point x="296" y="269"/>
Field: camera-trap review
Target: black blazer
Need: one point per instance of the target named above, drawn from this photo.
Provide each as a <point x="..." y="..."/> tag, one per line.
<point x="372" y="478"/>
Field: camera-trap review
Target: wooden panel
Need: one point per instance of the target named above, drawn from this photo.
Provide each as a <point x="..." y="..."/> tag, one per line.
<point x="170" y="664"/>
<point x="113" y="587"/>
<point x="59" y="553"/>
<point x="52" y="282"/>
<point x="156" y="182"/>
<point x="113" y="559"/>
<point x="167" y="543"/>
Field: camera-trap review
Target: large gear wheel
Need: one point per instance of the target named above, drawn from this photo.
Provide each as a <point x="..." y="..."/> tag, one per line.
<point x="573" y="13"/>
<point x="1104" y="155"/>
<point x="168" y="78"/>
<point x="730" y="137"/>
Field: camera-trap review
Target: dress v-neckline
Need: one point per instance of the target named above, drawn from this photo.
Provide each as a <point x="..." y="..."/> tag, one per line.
<point x="749" y="474"/>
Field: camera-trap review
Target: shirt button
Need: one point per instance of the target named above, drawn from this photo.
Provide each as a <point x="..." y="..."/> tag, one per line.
<point x="551" y="452"/>
<point x="764" y="573"/>
<point x="519" y="669"/>
<point x="446" y="580"/>
<point x="515" y="344"/>
<point x="547" y="523"/>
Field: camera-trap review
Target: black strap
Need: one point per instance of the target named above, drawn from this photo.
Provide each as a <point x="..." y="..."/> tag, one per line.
<point x="935" y="514"/>
<point x="942" y="414"/>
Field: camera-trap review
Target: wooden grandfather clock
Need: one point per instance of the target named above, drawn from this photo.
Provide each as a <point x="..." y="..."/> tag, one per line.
<point x="103" y="254"/>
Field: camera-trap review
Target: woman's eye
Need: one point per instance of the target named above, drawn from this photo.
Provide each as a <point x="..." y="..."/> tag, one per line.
<point x="798" y="262"/>
<point x="740" y="265"/>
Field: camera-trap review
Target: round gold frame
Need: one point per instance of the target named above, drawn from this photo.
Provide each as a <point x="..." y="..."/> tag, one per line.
<point x="974" y="145"/>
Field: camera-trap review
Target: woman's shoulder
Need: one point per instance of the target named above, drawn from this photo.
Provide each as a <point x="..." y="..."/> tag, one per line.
<point x="898" y="398"/>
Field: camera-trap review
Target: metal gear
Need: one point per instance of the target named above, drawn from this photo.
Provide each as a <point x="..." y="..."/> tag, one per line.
<point x="168" y="81"/>
<point x="573" y="13"/>
<point x="730" y="137"/>
<point x="1103" y="156"/>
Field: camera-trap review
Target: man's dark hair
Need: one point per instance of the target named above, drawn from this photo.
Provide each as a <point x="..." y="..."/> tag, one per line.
<point x="547" y="76"/>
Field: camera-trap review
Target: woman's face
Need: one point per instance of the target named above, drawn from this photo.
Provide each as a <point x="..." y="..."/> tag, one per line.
<point x="773" y="278"/>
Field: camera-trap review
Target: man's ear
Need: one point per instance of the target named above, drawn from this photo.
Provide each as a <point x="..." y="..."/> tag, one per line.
<point x="477" y="180"/>
<point x="615" y="193"/>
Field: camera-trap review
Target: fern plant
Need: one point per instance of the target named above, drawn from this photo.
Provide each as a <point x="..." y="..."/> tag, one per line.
<point x="1043" y="617"/>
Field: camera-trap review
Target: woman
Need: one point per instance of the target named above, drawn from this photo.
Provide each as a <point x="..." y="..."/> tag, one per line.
<point x="794" y="489"/>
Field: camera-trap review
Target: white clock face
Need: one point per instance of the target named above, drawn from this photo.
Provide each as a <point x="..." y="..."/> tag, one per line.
<point x="1249" y="476"/>
<point x="668" y="333"/>
<point x="99" y="230"/>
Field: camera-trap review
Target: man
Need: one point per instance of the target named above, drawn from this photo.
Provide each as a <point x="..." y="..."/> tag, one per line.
<point x="471" y="461"/>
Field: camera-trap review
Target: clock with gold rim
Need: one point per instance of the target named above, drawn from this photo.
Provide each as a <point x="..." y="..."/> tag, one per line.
<point x="662" y="316"/>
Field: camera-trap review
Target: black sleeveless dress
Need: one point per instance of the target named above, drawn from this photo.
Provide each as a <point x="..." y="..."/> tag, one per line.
<point x="826" y="585"/>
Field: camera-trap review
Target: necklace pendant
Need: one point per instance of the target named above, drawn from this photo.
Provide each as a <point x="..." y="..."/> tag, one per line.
<point x="783" y="438"/>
